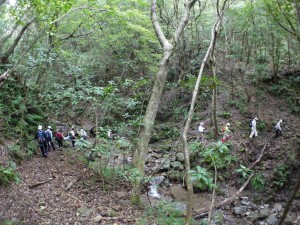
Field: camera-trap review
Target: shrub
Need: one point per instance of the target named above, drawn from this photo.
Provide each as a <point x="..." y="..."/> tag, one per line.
<point x="218" y="154"/>
<point x="258" y="182"/>
<point x="201" y="178"/>
<point x="9" y="175"/>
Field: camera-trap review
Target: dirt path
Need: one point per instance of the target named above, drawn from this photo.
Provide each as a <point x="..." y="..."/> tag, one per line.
<point x="71" y="194"/>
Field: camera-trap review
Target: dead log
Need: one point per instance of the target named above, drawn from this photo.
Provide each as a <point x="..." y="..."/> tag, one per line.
<point x="225" y="201"/>
<point x="40" y="183"/>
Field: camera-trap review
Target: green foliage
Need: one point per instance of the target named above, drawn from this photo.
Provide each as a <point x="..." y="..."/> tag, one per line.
<point x="225" y="115"/>
<point x="163" y="214"/>
<point x="244" y="171"/>
<point x="258" y="182"/>
<point x="9" y="175"/>
<point x="217" y="154"/>
<point x="201" y="178"/>
<point x="261" y="126"/>
<point x="280" y="176"/>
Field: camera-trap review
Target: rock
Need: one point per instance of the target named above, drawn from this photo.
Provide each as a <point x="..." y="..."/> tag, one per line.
<point x="178" y="206"/>
<point x="240" y="210"/>
<point x="157" y="180"/>
<point x="264" y="213"/>
<point x="177" y="165"/>
<point x="272" y="220"/>
<point x="244" y="198"/>
<point x="166" y="183"/>
<point x="166" y="164"/>
<point x="97" y="219"/>
<point x="120" y="195"/>
<point x="180" y="157"/>
<point x="245" y="203"/>
<point x="173" y="158"/>
<point x="277" y="208"/>
<point x="157" y="156"/>
<point x="218" y="218"/>
<point x="253" y="216"/>
<point x="288" y="220"/>
<point x="84" y="211"/>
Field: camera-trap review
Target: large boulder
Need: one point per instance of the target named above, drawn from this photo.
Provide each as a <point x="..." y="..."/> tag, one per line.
<point x="177" y="165"/>
<point x="180" y="157"/>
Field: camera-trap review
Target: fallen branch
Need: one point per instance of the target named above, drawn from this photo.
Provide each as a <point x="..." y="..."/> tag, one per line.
<point x="40" y="183"/>
<point x="73" y="197"/>
<point x="261" y="155"/>
<point x="72" y="183"/>
<point x="227" y="200"/>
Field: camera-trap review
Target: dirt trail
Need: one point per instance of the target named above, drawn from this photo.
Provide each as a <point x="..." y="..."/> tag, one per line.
<point x="71" y="194"/>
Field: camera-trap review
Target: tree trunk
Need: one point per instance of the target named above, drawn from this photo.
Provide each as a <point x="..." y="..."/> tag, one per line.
<point x="152" y="108"/>
<point x="214" y="32"/>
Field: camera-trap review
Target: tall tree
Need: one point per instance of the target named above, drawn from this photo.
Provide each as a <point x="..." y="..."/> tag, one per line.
<point x="208" y="56"/>
<point x="168" y="47"/>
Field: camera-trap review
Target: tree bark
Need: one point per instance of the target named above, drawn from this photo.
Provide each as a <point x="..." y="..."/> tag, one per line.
<point x="214" y="31"/>
<point x="152" y="108"/>
<point x="4" y="58"/>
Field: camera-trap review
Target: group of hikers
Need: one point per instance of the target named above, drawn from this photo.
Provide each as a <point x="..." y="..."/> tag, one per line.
<point x="226" y="132"/>
<point x="46" y="138"/>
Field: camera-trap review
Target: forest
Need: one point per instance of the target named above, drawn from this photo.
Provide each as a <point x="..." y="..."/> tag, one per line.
<point x="171" y="112"/>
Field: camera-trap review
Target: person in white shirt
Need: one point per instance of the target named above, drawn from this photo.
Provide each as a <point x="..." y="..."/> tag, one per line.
<point x="72" y="137"/>
<point x="83" y="134"/>
<point x="200" y="132"/>
<point x="278" y="129"/>
<point x="253" y="128"/>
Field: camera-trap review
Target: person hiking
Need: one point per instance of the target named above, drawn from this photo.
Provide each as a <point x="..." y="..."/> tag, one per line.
<point x="72" y="137"/>
<point x="83" y="134"/>
<point x="49" y="139"/>
<point x="278" y="129"/>
<point x="41" y="137"/>
<point x="59" y="137"/>
<point x="200" y="131"/>
<point x="226" y="131"/>
<point x="253" y="128"/>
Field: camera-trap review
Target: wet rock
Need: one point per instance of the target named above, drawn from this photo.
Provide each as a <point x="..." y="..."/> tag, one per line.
<point x="157" y="180"/>
<point x="180" y="157"/>
<point x="240" y="210"/>
<point x="263" y="213"/>
<point x="253" y="216"/>
<point x="272" y="220"/>
<point x="177" y="165"/>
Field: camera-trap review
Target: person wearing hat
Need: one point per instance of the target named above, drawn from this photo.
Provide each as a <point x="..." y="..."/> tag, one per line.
<point x="41" y="137"/>
<point x="278" y="129"/>
<point x="72" y="137"/>
<point x="253" y="128"/>
<point x="200" y="132"/>
<point x="49" y="139"/>
<point x="226" y="131"/>
<point x="83" y="134"/>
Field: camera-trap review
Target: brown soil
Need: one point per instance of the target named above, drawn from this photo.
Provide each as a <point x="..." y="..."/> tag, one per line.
<point x="71" y="194"/>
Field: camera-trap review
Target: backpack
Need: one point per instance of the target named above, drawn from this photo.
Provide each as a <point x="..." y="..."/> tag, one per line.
<point x="71" y="136"/>
<point x="60" y="136"/>
<point x="41" y="138"/>
<point x="250" y="124"/>
<point x="48" y="136"/>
